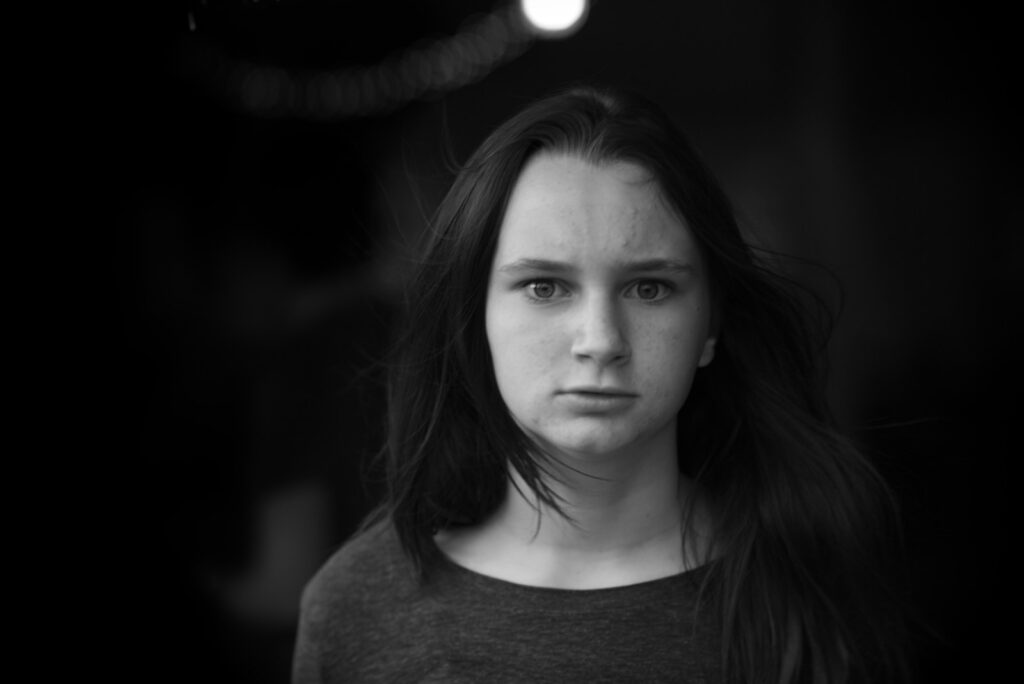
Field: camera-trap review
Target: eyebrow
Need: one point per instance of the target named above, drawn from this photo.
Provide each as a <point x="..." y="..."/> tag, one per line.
<point x="643" y="266"/>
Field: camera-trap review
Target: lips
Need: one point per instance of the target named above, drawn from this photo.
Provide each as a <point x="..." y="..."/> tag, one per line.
<point x="596" y="401"/>
<point x="598" y="392"/>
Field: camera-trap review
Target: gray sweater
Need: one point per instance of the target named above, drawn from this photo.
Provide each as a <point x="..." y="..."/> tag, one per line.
<point x="367" y="618"/>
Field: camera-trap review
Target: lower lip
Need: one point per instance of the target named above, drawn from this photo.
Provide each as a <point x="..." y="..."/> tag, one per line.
<point x="592" y="401"/>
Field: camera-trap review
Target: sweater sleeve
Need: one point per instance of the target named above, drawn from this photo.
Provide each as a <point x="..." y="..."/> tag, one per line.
<point x="351" y="606"/>
<point x="307" y="659"/>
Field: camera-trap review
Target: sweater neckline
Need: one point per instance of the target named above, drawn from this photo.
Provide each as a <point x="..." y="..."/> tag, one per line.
<point x="489" y="584"/>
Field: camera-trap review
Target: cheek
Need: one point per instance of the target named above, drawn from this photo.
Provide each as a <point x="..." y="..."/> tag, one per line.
<point x="521" y="371"/>
<point x="671" y="354"/>
<point x="521" y="348"/>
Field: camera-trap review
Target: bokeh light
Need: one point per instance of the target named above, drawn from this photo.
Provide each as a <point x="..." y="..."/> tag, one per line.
<point x="554" y="18"/>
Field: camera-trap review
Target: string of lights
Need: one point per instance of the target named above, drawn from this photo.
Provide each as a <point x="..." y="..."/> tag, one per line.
<point x="426" y="69"/>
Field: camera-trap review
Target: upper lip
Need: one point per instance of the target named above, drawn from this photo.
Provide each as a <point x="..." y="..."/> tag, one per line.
<point x="593" y="389"/>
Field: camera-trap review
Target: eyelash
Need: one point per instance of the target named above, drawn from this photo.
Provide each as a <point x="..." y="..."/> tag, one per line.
<point x="529" y="288"/>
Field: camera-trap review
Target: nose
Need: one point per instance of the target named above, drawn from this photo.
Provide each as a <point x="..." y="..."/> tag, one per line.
<point x="600" y="335"/>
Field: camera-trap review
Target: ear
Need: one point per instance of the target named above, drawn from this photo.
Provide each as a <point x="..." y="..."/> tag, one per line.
<point x="708" y="353"/>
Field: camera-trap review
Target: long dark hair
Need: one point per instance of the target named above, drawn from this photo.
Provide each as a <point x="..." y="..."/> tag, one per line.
<point x="802" y="521"/>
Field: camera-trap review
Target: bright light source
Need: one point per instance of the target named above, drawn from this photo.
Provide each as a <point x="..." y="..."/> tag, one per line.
<point x="554" y="17"/>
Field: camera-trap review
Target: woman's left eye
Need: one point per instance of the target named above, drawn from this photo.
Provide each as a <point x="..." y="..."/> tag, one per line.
<point x="648" y="290"/>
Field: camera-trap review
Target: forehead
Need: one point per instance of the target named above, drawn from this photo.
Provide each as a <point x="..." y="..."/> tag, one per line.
<point x="563" y="206"/>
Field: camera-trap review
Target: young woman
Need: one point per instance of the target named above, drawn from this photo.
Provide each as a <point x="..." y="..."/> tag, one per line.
<point x="609" y="458"/>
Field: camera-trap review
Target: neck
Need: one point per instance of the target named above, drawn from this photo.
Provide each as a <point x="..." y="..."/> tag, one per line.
<point x="622" y="524"/>
<point x="602" y="509"/>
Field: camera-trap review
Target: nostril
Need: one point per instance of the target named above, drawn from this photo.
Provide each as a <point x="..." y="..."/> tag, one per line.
<point x="600" y="334"/>
<point x="604" y="347"/>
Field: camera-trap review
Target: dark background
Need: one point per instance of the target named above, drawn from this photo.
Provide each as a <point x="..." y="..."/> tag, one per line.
<point x="260" y="238"/>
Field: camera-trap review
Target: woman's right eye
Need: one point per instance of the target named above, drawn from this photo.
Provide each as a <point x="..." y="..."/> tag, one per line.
<point x="542" y="289"/>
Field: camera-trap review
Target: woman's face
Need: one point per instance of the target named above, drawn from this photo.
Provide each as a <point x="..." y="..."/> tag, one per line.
<point x="598" y="308"/>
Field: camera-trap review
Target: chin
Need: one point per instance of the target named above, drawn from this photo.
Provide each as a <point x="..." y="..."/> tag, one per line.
<point x="587" y="446"/>
<point x="605" y="439"/>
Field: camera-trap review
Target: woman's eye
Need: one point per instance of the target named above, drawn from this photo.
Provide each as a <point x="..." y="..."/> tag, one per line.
<point x="649" y="290"/>
<point x="542" y="289"/>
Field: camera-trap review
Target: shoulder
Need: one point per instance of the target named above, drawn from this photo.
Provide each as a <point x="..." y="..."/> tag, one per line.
<point x="371" y="559"/>
<point x="353" y="608"/>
